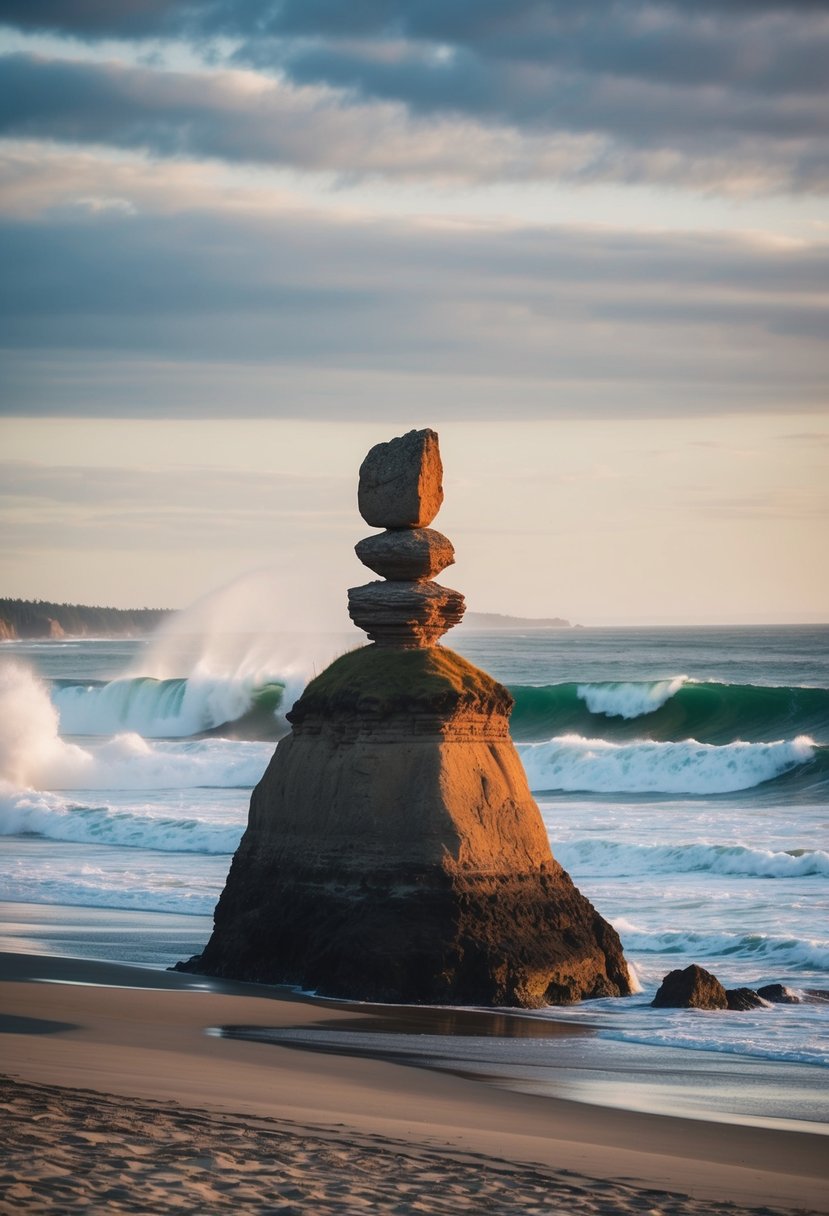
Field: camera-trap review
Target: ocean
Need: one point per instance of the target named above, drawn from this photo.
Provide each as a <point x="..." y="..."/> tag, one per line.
<point x="682" y="774"/>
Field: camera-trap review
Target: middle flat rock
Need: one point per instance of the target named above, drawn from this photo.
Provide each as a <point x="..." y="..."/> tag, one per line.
<point x="410" y="614"/>
<point x="394" y="852"/>
<point x="406" y="553"/>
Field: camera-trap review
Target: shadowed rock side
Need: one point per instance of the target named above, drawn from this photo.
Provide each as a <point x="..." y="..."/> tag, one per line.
<point x="394" y="852"/>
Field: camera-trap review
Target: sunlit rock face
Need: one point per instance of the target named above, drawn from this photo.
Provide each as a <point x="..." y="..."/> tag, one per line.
<point x="393" y="850"/>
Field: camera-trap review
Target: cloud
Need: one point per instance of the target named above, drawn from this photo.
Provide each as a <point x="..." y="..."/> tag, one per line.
<point x="241" y="117"/>
<point x="290" y="314"/>
<point x="726" y="98"/>
<point x="149" y="508"/>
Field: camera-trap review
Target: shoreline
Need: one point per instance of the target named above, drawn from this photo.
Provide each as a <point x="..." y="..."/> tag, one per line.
<point x="140" y="1034"/>
<point x="575" y="1058"/>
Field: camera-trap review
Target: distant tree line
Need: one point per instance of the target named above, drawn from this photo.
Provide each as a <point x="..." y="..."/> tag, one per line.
<point x="42" y="619"/>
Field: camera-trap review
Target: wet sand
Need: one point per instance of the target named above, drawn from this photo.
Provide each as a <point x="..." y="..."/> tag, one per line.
<point x="118" y="1100"/>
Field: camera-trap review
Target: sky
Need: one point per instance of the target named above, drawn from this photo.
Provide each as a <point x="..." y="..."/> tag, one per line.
<point x="245" y="240"/>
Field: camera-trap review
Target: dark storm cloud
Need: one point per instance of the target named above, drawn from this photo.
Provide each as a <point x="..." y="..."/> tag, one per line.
<point x="95" y="18"/>
<point x="588" y="319"/>
<point x="741" y="81"/>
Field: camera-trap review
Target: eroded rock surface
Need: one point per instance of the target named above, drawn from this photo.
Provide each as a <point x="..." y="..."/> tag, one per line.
<point x="691" y="988"/>
<point x="405" y="554"/>
<point x="742" y="999"/>
<point x="401" y="482"/>
<point x="778" y="994"/>
<point x="394" y="852"/>
<point x="405" y="614"/>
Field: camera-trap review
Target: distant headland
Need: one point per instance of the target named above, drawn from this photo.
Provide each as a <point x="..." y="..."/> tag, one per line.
<point x="22" y="620"/>
<point x="34" y="619"/>
<point x="497" y="620"/>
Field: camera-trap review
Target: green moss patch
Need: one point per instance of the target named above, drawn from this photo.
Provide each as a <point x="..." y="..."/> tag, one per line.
<point x="377" y="680"/>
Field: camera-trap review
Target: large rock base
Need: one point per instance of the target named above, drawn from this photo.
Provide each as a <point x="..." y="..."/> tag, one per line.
<point x="424" y="937"/>
<point x="394" y="852"/>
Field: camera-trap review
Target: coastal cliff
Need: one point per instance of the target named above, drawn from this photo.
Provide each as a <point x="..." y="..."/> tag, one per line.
<point x="394" y="852"/>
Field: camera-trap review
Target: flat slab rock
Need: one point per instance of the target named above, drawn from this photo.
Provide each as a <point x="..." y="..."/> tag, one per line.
<point x="413" y="614"/>
<point x="401" y="482"/>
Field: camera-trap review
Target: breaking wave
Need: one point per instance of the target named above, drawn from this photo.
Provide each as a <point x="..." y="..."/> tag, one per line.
<point x="610" y="857"/>
<point x="672" y="709"/>
<point x="628" y="700"/>
<point x="56" y="818"/>
<point x="572" y="763"/>
<point x="252" y="707"/>
<point x="771" y="952"/>
<point x="174" y="708"/>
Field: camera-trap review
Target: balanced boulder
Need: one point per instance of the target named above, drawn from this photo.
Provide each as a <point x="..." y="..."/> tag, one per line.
<point x="393" y="850"/>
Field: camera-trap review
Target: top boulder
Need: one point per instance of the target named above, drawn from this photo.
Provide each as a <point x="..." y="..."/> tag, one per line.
<point x="401" y="482"/>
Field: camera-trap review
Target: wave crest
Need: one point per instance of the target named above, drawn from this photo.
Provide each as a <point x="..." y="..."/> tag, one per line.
<point x="56" y="818"/>
<point x="629" y="700"/>
<point x="572" y="763"/>
<point x="610" y="857"/>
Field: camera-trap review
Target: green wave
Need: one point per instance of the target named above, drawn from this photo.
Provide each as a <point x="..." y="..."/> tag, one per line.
<point x="710" y="713"/>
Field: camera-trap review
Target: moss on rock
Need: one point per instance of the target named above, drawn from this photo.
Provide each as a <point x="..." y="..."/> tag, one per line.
<point x="377" y="680"/>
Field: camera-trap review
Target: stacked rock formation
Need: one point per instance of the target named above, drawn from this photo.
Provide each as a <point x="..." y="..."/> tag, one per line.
<point x="393" y="850"/>
<point x="401" y="490"/>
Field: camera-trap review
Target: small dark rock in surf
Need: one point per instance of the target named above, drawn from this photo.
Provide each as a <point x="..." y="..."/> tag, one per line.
<point x="778" y="994"/>
<point x="744" y="998"/>
<point x="693" y="988"/>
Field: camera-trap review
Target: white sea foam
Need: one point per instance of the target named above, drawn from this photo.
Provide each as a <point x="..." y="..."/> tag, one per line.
<point x="629" y="700"/>
<point x="620" y="859"/>
<point x="570" y="762"/>
<point x="746" y="1035"/>
<point x="30" y="746"/>
<point x="32" y="753"/>
<point x="93" y="889"/>
<point x="26" y="812"/>
<point x="770" y="952"/>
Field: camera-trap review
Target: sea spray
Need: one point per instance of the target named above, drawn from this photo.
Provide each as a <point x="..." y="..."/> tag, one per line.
<point x="236" y="660"/>
<point x="31" y="749"/>
<point x="268" y="624"/>
<point x="32" y="753"/>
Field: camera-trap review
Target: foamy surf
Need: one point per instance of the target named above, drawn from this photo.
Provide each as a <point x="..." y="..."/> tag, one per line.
<point x="29" y="813"/>
<point x="87" y="885"/>
<point x="599" y="857"/>
<point x="572" y="763"/>
<point x="629" y="700"/>
<point x="771" y="953"/>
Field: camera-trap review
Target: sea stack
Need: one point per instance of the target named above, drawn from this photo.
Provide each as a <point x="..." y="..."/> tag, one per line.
<point x="393" y="850"/>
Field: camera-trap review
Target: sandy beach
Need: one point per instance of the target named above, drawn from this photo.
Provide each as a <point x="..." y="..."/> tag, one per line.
<point x="121" y="1094"/>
